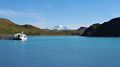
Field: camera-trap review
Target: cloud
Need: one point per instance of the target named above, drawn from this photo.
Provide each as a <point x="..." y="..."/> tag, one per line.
<point x="4" y="12"/>
<point x="23" y="16"/>
<point x="13" y="13"/>
<point x="20" y="14"/>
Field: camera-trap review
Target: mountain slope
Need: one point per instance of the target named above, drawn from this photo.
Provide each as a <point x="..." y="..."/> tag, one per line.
<point x="8" y="27"/>
<point x="107" y="29"/>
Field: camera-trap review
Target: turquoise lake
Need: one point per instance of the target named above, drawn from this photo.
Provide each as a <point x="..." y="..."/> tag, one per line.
<point x="60" y="51"/>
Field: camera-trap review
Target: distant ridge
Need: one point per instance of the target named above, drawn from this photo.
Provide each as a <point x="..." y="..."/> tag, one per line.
<point x="60" y="27"/>
<point x="9" y="27"/>
<point x="110" y="28"/>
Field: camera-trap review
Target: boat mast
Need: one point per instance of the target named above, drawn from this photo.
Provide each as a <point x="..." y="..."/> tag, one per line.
<point x="22" y="31"/>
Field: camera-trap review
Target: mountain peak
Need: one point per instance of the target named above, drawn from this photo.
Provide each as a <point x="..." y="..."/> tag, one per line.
<point x="107" y="29"/>
<point x="60" y="27"/>
<point x="4" y="21"/>
<point x="115" y="20"/>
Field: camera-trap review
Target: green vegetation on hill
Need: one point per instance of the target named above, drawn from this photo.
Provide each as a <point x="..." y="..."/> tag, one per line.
<point x="8" y="27"/>
<point x="107" y="29"/>
<point x="91" y="29"/>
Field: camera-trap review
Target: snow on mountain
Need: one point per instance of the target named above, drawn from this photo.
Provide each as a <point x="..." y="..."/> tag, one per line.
<point x="60" y="27"/>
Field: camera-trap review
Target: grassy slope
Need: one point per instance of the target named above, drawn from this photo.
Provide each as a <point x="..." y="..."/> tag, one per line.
<point x="8" y="27"/>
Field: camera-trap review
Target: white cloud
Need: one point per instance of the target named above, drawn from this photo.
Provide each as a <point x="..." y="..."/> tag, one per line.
<point x="13" y="13"/>
<point x="4" y="12"/>
<point x="23" y="16"/>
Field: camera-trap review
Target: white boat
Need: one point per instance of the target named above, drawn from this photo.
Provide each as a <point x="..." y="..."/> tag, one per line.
<point x="20" y="36"/>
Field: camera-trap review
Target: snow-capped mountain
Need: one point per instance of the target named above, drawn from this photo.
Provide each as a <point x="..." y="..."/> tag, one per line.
<point x="60" y="27"/>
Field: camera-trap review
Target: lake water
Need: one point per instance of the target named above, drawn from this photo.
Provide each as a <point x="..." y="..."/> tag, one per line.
<point x="60" y="51"/>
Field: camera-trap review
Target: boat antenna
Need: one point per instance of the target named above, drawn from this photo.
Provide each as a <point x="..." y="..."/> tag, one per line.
<point x="22" y="31"/>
